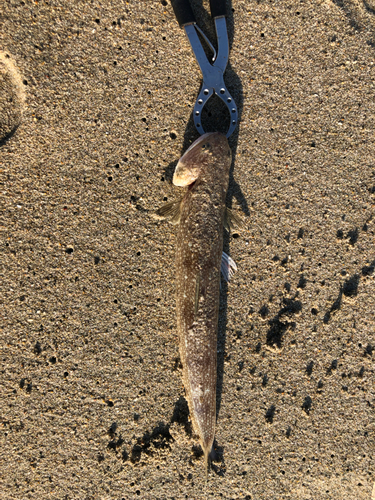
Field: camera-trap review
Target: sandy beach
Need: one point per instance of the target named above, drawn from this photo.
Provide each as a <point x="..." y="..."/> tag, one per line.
<point x="96" y="102"/>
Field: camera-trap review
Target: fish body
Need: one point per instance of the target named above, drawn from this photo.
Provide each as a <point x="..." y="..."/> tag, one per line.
<point x="204" y="168"/>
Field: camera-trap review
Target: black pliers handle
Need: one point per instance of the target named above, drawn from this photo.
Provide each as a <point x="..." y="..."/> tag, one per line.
<point x="213" y="79"/>
<point x="185" y="14"/>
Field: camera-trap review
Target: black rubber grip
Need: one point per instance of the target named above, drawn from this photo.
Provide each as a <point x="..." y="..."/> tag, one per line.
<point x="183" y="12"/>
<point x="218" y="8"/>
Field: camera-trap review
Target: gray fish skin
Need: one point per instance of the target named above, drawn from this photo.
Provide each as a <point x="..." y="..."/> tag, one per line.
<point x="205" y="169"/>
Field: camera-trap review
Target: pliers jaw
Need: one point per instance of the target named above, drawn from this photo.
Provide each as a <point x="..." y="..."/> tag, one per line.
<point x="205" y="93"/>
<point x="213" y="80"/>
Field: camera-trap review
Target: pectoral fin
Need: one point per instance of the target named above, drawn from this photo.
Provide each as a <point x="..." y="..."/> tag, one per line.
<point x="232" y="220"/>
<point x="228" y="266"/>
<point x="170" y="211"/>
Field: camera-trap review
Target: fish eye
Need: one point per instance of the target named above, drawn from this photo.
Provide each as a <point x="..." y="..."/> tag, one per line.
<point x="206" y="146"/>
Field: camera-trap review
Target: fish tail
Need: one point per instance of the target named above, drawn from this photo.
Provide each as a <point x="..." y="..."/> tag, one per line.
<point x="206" y="454"/>
<point x="207" y="448"/>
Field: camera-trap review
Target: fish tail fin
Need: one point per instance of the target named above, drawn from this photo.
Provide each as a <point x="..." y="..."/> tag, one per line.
<point x="209" y="454"/>
<point x="206" y="456"/>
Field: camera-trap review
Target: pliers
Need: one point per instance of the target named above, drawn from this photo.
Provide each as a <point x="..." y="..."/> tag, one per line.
<point x="213" y="80"/>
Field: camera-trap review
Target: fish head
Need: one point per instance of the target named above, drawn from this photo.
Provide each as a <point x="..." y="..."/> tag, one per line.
<point x="207" y="147"/>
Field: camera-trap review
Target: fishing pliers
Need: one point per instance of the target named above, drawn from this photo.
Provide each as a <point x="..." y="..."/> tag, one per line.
<point x="213" y="80"/>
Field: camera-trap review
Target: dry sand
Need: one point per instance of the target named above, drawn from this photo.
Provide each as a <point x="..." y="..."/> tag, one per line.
<point x="91" y="395"/>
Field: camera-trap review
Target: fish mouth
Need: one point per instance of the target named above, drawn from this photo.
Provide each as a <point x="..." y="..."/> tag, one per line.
<point x="189" y="166"/>
<point x="185" y="180"/>
<point x="197" y="141"/>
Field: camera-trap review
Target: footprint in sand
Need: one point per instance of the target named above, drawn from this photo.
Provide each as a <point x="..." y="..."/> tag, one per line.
<point x="12" y="97"/>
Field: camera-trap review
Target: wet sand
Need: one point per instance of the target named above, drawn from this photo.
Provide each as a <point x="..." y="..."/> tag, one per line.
<point x="92" y="400"/>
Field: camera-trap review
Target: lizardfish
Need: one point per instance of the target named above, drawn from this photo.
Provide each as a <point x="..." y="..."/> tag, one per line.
<point x="201" y="216"/>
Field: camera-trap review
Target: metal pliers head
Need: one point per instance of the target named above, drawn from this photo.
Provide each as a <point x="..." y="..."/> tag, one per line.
<point x="213" y="79"/>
